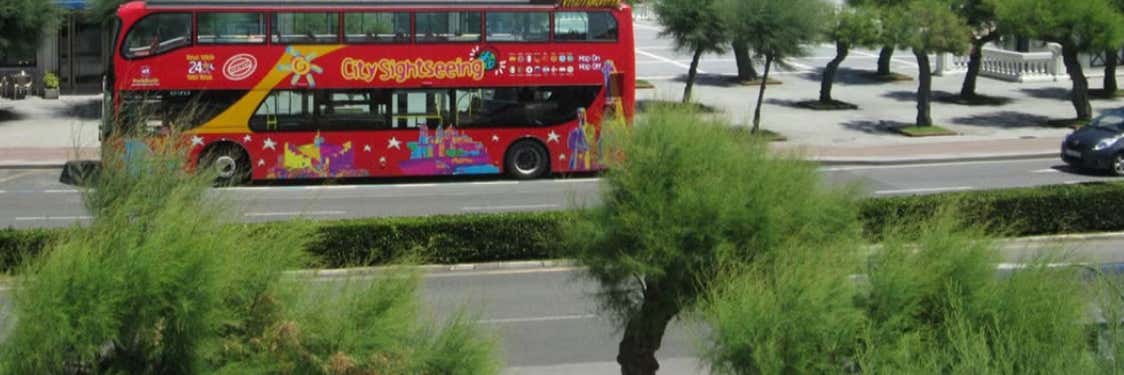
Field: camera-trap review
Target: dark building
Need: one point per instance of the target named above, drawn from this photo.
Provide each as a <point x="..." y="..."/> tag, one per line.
<point x="77" y="51"/>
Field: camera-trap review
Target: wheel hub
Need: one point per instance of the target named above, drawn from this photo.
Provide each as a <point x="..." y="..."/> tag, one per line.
<point x="225" y="166"/>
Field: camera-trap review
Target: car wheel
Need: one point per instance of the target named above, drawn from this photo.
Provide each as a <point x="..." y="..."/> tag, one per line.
<point x="1118" y="164"/>
<point x="527" y="160"/>
<point x="229" y="164"/>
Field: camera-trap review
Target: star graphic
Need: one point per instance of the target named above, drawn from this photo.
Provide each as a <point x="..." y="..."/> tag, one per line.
<point x="394" y="143"/>
<point x="247" y="139"/>
<point x="382" y="160"/>
<point x="269" y="144"/>
<point x="261" y="162"/>
<point x="196" y="141"/>
<point x="552" y="137"/>
<point x="562" y="157"/>
<point x="367" y="148"/>
<point x="495" y="138"/>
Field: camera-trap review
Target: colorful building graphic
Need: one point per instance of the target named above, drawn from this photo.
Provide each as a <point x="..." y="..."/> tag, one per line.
<point x="447" y="152"/>
<point x="317" y="160"/>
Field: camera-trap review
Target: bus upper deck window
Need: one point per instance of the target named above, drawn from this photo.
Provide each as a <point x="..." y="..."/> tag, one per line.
<point x="585" y="27"/>
<point x="156" y="34"/>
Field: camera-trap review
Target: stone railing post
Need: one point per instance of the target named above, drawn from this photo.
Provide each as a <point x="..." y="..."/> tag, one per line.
<point x="1057" y="66"/>
<point x="943" y="65"/>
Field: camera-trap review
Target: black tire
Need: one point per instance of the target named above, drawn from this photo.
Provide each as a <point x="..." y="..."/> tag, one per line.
<point x="229" y="163"/>
<point x="527" y="160"/>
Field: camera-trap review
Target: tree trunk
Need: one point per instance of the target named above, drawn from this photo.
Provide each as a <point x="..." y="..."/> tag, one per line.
<point x="924" y="88"/>
<point x="691" y="75"/>
<point x="643" y="335"/>
<point x="884" y="60"/>
<point x="841" y="51"/>
<point x="761" y="94"/>
<point x="975" y="59"/>
<point x="1111" y="59"/>
<point x="1080" y="94"/>
<point x="744" y="62"/>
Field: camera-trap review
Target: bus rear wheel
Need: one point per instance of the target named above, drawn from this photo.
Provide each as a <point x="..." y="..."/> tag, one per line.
<point x="229" y="163"/>
<point x="527" y="160"/>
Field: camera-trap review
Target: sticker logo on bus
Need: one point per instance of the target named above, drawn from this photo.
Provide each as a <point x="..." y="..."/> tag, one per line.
<point x="353" y="69"/>
<point x="239" y="67"/>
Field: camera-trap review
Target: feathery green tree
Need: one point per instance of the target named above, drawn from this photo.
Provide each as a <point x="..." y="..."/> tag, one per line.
<point x="695" y="26"/>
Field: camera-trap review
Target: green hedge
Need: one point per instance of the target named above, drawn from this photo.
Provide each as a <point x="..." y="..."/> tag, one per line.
<point x="521" y="236"/>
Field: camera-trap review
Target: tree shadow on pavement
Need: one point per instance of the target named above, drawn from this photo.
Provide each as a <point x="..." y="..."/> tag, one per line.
<point x="8" y="115"/>
<point x="902" y="95"/>
<point x="844" y="76"/>
<point x="1047" y="93"/>
<point x="88" y="109"/>
<point x="1003" y="119"/>
<point x="875" y="127"/>
<point x="785" y="103"/>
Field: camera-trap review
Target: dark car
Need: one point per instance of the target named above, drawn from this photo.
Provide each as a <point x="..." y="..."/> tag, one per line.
<point x="1097" y="145"/>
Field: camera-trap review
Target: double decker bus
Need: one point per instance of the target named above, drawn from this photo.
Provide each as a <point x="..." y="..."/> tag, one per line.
<point x="313" y="89"/>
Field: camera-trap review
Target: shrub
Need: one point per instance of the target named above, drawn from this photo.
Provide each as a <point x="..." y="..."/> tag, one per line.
<point x="687" y="199"/>
<point x="158" y="284"/>
<point x="50" y="81"/>
<point x="927" y="301"/>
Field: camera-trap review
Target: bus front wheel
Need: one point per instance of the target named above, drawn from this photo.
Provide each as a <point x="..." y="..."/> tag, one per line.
<point x="527" y="160"/>
<point x="229" y="163"/>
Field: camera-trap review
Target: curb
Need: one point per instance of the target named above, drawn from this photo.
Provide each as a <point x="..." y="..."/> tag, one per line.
<point x="926" y="159"/>
<point x="439" y="268"/>
<point x="17" y="164"/>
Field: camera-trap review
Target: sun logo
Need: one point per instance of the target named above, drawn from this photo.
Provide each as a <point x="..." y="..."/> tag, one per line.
<point x="301" y="66"/>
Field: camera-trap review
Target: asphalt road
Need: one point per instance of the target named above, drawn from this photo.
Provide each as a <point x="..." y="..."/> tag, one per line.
<point x="34" y="198"/>
<point x="548" y="322"/>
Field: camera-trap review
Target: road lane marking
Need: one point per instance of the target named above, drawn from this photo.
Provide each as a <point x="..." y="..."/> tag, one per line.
<point x="1047" y="170"/>
<point x="537" y="319"/>
<point x="294" y="213"/>
<point x="923" y="190"/>
<point x="907" y="166"/>
<point x="895" y="59"/>
<point x="60" y="191"/>
<point x="2" y="192"/>
<point x="19" y="175"/>
<point x="657" y="78"/>
<point x="332" y="187"/>
<point x="508" y="208"/>
<point x="48" y="218"/>
<point x="669" y="61"/>
<point x="495" y="183"/>
<point x="578" y="180"/>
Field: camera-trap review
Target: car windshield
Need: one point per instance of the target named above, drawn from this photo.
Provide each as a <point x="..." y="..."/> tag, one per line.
<point x="1114" y="122"/>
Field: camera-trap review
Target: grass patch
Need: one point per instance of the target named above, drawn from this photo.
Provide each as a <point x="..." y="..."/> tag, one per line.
<point x="924" y="131"/>
<point x="762" y="133"/>
<point x="892" y="77"/>
<point x="975" y="100"/>
<point x="833" y="105"/>
<point x="643" y="84"/>
<point x="1071" y="123"/>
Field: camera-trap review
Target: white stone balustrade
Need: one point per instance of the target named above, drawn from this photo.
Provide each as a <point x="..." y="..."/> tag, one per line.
<point x="1008" y="65"/>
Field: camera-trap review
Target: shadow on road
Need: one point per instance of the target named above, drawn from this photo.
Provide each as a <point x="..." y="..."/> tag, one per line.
<point x="1003" y="119"/>
<point x="8" y="115"/>
<point x="87" y="110"/>
<point x="1047" y="93"/>
<point x="875" y="127"/>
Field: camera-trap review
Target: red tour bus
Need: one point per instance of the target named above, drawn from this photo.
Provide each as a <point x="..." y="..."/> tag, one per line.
<point x="370" y="88"/>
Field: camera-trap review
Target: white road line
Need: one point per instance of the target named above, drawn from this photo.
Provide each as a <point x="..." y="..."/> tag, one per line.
<point x="909" y="166"/>
<point x="578" y="180"/>
<point x="61" y="191"/>
<point x="507" y="208"/>
<point x="294" y="213"/>
<point x="667" y="60"/>
<point x="923" y="190"/>
<point x="495" y="183"/>
<point x="799" y="66"/>
<point x="332" y="187"/>
<point x="1076" y="182"/>
<point x="646" y="27"/>
<point x="1047" y="170"/>
<point x="47" y="218"/>
<point x="19" y="175"/>
<point x="537" y="319"/>
<point x="658" y="78"/>
<point x="2" y="192"/>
